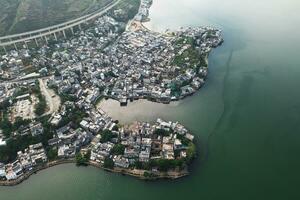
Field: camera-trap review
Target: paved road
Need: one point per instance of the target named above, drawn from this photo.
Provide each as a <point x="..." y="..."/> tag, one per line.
<point x="59" y="28"/>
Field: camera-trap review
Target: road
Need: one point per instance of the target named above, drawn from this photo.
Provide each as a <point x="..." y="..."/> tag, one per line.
<point x="53" y="101"/>
<point x="57" y="28"/>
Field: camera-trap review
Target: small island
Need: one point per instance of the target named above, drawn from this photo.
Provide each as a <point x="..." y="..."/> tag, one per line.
<point x="49" y="96"/>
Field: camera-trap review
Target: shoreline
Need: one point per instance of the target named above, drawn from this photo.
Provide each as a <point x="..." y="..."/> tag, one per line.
<point x="25" y="176"/>
<point x="129" y="172"/>
<point x="138" y="173"/>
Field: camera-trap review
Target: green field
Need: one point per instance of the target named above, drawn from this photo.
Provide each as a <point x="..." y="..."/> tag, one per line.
<point x="24" y="15"/>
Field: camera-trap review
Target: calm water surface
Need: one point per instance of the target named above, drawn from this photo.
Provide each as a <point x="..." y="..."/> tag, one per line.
<point x="246" y="118"/>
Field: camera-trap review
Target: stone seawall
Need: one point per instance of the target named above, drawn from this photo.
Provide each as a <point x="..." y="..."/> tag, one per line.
<point x="138" y="173"/>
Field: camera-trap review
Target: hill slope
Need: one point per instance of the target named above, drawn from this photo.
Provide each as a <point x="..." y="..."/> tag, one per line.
<point x="24" y="15"/>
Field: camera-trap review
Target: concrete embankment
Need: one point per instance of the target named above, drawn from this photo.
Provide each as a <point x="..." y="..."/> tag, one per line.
<point x="26" y="175"/>
<point x="138" y="173"/>
<point x="130" y="172"/>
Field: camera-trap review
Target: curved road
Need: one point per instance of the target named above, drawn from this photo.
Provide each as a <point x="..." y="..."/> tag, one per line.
<point x="57" y="28"/>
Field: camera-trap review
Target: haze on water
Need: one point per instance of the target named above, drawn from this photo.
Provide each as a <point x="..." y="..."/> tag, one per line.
<point x="246" y="118"/>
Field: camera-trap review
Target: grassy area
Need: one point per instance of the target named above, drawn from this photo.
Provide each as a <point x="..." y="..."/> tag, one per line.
<point x="7" y="14"/>
<point x="189" y="57"/>
<point x="130" y="8"/>
<point x="184" y="40"/>
<point x="25" y="15"/>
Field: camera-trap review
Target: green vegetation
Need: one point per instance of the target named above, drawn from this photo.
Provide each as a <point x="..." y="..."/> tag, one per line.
<point x="190" y="55"/>
<point x="8" y="153"/>
<point x="21" y="91"/>
<point x="107" y="135"/>
<point x="41" y="106"/>
<point x="118" y="149"/>
<point x="185" y="40"/>
<point x="142" y="165"/>
<point x="8" y="128"/>
<point x="74" y="115"/>
<point x="162" y="132"/>
<point x="149" y="175"/>
<point x="165" y="165"/>
<point x="175" y="89"/>
<point x="108" y="163"/>
<point x="211" y="34"/>
<point x="203" y="62"/>
<point x="52" y="154"/>
<point x="183" y="139"/>
<point x="8" y="9"/>
<point x="17" y="143"/>
<point x="25" y="15"/>
<point x="82" y="160"/>
<point x="5" y="125"/>
<point x="115" y="128"/>
<point x="130" y="8"/>
<point x="63" y="97"/>
<point x="191" y="152"/>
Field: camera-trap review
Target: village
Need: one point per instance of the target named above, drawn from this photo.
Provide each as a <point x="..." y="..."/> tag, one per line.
<point x="153" y="150"/>
<point x="49" y="96"/>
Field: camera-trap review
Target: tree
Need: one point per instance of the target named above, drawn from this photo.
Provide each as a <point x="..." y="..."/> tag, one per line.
<point x="108" y="163"/>
<point x="183" y="139"/>
<point x="8" y="153"/>
<point x="57" y="73"/>
<point x="149" y="175"/>
<point x="106" y="136"/>
<point x="52" y="154"/>
<point x="41" y="106"/>
<point x="6" y="126"/>
<point x="161" y="132"/>
<point x="115" y="128"/>
<point x="118" y="149"/>
<point x="82" y="160"/>
<point x="165" y="165"/>
<point x="191" y="152"/>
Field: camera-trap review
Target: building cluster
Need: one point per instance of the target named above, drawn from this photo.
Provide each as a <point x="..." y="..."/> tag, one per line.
<point x="107" y="60"/>
<point x="18" y="105"/>
<point x="138" y="64"/>
<point x="143" y="142"/>
<point x="26" y="161"/>
<point x="70" y="138"/>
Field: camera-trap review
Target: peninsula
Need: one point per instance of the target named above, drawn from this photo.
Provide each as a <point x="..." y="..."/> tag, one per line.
<point x="49" y="96"/>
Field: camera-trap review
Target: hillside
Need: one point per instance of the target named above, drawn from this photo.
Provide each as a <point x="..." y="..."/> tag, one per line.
<point x="24" y="15"/>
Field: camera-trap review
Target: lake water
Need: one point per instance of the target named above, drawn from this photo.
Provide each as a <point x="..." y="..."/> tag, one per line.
<point x="246" y="118"/>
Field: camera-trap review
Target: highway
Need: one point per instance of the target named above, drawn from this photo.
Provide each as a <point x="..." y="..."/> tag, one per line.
<point x="56" y="28"/>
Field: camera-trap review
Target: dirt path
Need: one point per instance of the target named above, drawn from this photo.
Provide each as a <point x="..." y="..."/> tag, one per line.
<point x="53" y="101"/>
